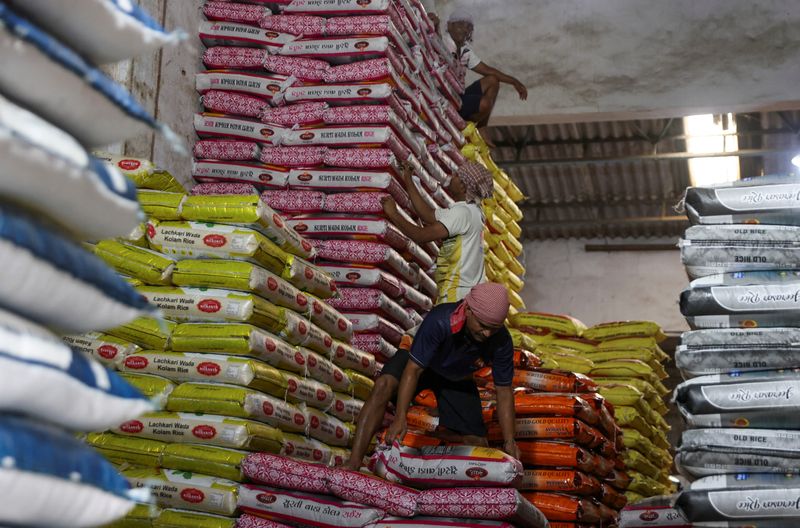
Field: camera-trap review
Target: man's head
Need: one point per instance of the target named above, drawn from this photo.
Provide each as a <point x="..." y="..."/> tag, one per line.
<point x="486" y="310"/>
<point x="460" y="26"/>
<point x="472" y="183"/>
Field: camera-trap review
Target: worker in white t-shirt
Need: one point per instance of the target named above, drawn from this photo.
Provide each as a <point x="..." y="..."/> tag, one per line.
<point x="460" y="227"/>
<point x="479" y="98"/>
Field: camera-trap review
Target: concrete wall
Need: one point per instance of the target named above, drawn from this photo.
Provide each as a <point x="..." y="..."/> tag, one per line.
<point x="600" y="287"/>
<point x="620" y="59"/>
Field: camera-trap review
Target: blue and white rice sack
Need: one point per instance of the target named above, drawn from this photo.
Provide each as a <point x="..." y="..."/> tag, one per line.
<point x="45" y="75"/>
<point x="49" y="478"/>
<point x="102" y="31"/>
<point x="55" y="282"/>
<point x="43" y="378"/>
<point x="45" y="169"/>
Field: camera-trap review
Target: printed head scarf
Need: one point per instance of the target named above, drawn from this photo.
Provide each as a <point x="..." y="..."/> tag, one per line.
<point x="489" y="302"/>
<point x="477" y="180"/>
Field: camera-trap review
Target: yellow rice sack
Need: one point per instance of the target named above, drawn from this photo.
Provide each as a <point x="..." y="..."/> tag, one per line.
<point x="573" y="343"/>
<point x="106" y="349"/>
<point x="508" y="205"/>
<point x="633" y="497"/>
<point x="511" y="311"/>
<point x="520" y="339"/>
<point x="513" y="191"/>
<point x="147" y="332"/>
<point x="514" y="229"/>
<point x="513" y="245"/>
<point x="640" y="354"/>
<point x="137" y="237"/>
<point x="494" y="261"/>
<point x="515" y="300"/>
<point x="127" y="450"/>
<point x="645" y="486"/>
<point x="180" y="489"/>
<point x="360" y="385"/>
<point x="549" y="323"/>
<point x="190" y="519"/>
<point x="186" y="428"/>
<point x="490" y="239"/>
<point x="512" y="281"/>
<point x="148" y="266"/>
<point x="161" y="205"/>
<point x="219" y="462"/>
<point x="503" y="215"/>
<point x="618" y="329"/>
<point x="156" y="388"/>
<point x="621" y="394"/>
<point x="503" y="254"/>
<point x="240" y="276"/>
<point x="515" y="267"/>
<point x="144" y="173"/>
<point x="239" y="340"/>
<point x="182" y="367"/>
<point x="630" y="417"/>
<point x="635" y="342"/>
<point x="565" y="359"/>
<point x="238" y="402"/>
<point x="493" y="221"/>
<point x="141" y="516"/>
<point x="247" y="210"/>
<point x="638" y="462"/>
<point x="625" y="368"/>
<point x="633" y="439"/>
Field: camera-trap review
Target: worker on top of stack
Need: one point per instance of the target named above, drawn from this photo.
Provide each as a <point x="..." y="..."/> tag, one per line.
<point x="454" y="340"/>
<point x="460" y="264"/>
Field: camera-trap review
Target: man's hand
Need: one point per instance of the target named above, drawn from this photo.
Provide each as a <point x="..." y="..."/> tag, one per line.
<point x="407" y="173"/>
<point x="511" y="448"/>
<point x="389" y="206"/>
<point x="521" y="89"/>
<point x="396" y="431"/>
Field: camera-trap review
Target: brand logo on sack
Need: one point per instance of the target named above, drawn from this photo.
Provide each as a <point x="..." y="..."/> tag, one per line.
<point x="274" y="88"/>
<point x="321" y="395"/>
<point x="278" y="221"/>
<point x="215" y="241"/>
<point x="339" y="432"/>
<point x="365" y="362"/>
<point x="314" y="422"/>
<point x="302" y="328"/>
<point x="107" y="351"/>
<point x="136" y="362"/>
<point x="742" y="422"/>
<point x="328" y="340"/>
<point x="338" y="375"/>
<point x="342" y="324"/>
<point x="299" y="359"/>
<point x="132" y="427"/>
<point x="151" y="231"/>
<point x="306" y="245"/>
<point x="266" y="498"/>
<point x="292" y="385"/>
<point x="270" y="345"/>
<point x="272" y="34"/>
<point x="476" y="473"/>
<point x="302" y="300"/>
<point x="129" y="164"/>
<point x="305" y="136"/>
<point x="339" y="406"/>
<point x="267" y="132"/>
<point x="340" y="351"/>
<point x="649" y="516"/>
<point x="312" y="361"/>
<point x="272" y="284"/>
<point x="204" y="432"/>
<point x="317" y="454"/>
<point x="264" y="177"/>
<point x="364" y="92"/>
<point x="364" y="3"/>
<point x="207" y="368"/>
<point x="353" y="276"/>
<point x="289" y="449"/>
<point x="267" y="408"/>
<point x="305" y="177"/>
<point x="361" y="45"/>
<point x="301" y="228"/>
<point x="317" y="307"/>
<point x="299" y="419"/>
<point x="209" y="306"/>
<point x="193" y="496"/>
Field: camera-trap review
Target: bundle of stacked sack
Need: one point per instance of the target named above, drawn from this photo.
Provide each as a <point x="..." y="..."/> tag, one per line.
<point x="625" y="363"/>
<point x="54" y="105"/>
<point x="740" y="360"/>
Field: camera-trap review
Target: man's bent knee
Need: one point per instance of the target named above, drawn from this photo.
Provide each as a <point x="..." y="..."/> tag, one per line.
<point x="385" y="388"/>
<point x="490" y="82"/>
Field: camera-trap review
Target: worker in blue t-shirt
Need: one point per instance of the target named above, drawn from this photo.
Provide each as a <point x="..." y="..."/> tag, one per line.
<point x="448" y="348"/>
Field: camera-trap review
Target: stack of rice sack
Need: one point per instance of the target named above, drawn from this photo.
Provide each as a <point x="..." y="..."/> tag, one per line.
<point x="740" y="361"/>
<point x="54" y="104"/>
<point x="502" y="233"/>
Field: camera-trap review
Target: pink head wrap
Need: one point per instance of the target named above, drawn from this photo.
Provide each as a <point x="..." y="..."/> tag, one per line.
<point x="477" y="180"/>
<point x="489" y="302"/>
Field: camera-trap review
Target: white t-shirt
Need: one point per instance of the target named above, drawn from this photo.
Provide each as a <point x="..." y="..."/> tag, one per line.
<point x="460" y="263"/>
<point x="468" y="59"/>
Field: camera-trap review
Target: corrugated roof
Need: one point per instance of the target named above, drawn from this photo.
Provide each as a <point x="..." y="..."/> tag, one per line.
<point x="605" y="179"/>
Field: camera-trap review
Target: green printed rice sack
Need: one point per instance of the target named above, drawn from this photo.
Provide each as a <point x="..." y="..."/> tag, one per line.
<point x="156" y="388"/>
<point x="630" y="417"/>
<point x="548" y="323"/>
<point x="137" y="237"/>
<point x="240" y="340"/>
<point x="181" y="489"/>
<point x="127" y="450"/>
<point x="649" y="343"/>
<point x="207" y="460"/>
<point x="106" y="349"/>
<point x="141" y="516"/>
<point x="240" y="276"/>
<point x="522" y="340"/>
<point x="160" y="205"/>
<point x="182" y="366"/>
<point x="625" y="368"/>
<point x="360" y="385"/>
<point x="148" y="266"/>
<point x="190" y="519"/>
<point x="614" y="330"/>
<point x="250" y="211"/>
<point x="229" y="400"/>
<point x="147" y="332"/>
<point x="144" y="173"/>
<point x="210" y="429"/>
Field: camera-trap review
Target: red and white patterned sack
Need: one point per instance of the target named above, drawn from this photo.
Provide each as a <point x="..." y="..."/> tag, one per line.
<point x="356" y="203"/>
<point x="451" y="466"/>
<point x="425" y="261"/>
<point x="232" y="103"/>
<point x="360" y="252"/>
<point x="324" y="370"/>
<point x="504" y="504"/>
<point x="303" y="114"/>
<point x="256" y="174"/>
<point x="235" y="12"/>
<point x="211" y="189"/>
<point x="371" y="158"/>
<point x="350" y="357"/>
<point x="339" y="94"/>
<point x="338" y="7"/>
<point x="223" y="57"/>
<point x="226" y="149"/>
<point x="282" y="472"/>
<point x="294" y="156"/>
<point x="362" y="71"/>
<point x="217" y="125"/>
<point x="306" y="390"/>
<point x="251" y="521"/>
<point x="306" y="449"/>
<point x="305" y="509"/>
<point x="442" y="198"/>
<point x="328" y="429"/>
<point x="361" y="114"/>
<point x="454" y="117"/>
<point x="257" y="84"/>
<point x="295" y="202"/>
<point x="374" y="344"/>
<point x="215" y="33"/>
<point x="338" y="180"/>
<point x="370" y="323"/>
<point x="360" y="25"/>
<point x="417" y="299"/>
<point x="307" y="25"/>
<point x="337" y="50"/>
<point x="454" y="154"/>
<point x="349" y="227"/>
<point x="373" y="301"/>
<point x="364" y="276"/>
<point x="342" y="136"/>
<point x="438" y="522"/>
<point x="345" y="408"/>
<point x="373" y="491"/>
